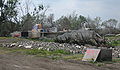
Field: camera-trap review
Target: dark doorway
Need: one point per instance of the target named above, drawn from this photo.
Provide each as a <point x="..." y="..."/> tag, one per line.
<point x="24" y="34"/>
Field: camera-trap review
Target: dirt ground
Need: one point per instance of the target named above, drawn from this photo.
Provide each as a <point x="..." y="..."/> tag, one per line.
<point x="16" y="61"/>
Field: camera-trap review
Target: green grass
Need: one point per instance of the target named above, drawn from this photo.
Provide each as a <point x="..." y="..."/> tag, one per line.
<point x="6" y="37"/>
<point x="112" y="37"/>
<point x="35" y="51"/>
<point x="15" y="39"/>
<point x="43" y="40"/>
<point x="57" y="54"/>
<point x="54" y="55"/>
<point x="116" y="60"/>
<point x="100" y="64"/>
<point x="9" y="38"/>
<point x="114" y="41"/>
<point x="44" y="53"/>
<point x="47" y="40"/>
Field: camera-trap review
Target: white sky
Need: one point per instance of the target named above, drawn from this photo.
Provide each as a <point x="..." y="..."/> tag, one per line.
<point x="105" y="9"/>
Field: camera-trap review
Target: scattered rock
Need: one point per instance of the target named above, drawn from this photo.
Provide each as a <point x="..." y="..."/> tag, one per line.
<point x="51" y="46"/>
<point x="28" y="47"/>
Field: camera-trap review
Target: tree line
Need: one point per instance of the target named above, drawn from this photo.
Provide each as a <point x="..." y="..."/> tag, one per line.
<point x="11" y="20"/>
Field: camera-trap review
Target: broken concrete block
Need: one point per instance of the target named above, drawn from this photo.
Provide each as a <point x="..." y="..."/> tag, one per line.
<point x="105" y="55"/>
<point x="98" y="55"/>
<point x="28" y="47"/>
<point x="13" y="44"/>
<point x="91" y="55"/>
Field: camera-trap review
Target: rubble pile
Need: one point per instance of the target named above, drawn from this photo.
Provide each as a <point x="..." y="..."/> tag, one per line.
<point x="50" y="46"/>
<point x="116" y="51"/>
<point x="81" y="37"/>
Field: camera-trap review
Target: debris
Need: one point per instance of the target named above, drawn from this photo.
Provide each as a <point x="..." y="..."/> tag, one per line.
<point x="28" y="47"/>
<point x="105" y="55"/>
<point x="81" y="37"/>
<point x="13" y="44"/>
<point x="19" y="46"/>
<point x="98" y="55"/>
<point x="91" y="55"/>
<point x="50" y="46"/>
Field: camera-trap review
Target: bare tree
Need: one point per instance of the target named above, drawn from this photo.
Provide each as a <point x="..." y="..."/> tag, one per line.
<point x="111" y="23"/>
<point x="30" y="16"/>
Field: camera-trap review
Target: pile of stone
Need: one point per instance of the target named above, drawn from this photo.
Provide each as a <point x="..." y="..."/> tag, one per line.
<point x="50" y="46"/>
<point x="116" y="51"/>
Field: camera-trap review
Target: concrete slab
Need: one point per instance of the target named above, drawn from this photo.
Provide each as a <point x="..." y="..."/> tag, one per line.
<point x="98" y="55"/>
<point x="91" y="55"/>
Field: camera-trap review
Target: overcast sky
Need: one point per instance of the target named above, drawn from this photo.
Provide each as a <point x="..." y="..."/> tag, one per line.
<point x="103" y="8"/>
